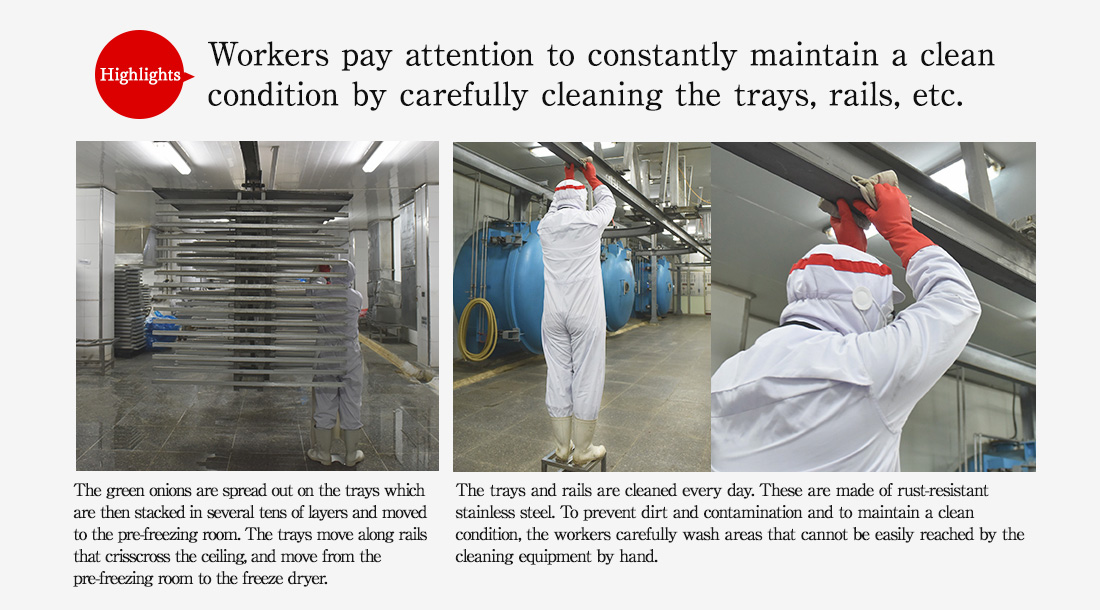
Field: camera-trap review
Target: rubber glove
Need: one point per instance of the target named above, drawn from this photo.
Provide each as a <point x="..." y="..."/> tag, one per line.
<point x="569" y="172"/>
<point x="846" y="230"/>
<point x="590" y="175"/>
<point x="894" y="221"/>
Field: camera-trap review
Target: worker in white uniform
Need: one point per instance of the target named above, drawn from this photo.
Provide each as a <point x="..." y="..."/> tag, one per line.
<point x="342" y="330"/>
<point x="831" y="388"/>
<point x="573" y="316"/>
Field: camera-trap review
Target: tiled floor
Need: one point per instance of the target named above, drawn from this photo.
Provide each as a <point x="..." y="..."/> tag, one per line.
<point x="655" y="415"/>
<point x="126" y="422"/>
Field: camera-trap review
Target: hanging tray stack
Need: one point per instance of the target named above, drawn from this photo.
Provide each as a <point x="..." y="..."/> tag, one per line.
<point x="131" y="309"/>
<point x="234" y="268"/>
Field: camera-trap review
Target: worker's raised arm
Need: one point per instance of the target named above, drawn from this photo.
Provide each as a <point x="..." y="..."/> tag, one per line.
<point x="604" y="210"/>
<point x="908" y="356"/>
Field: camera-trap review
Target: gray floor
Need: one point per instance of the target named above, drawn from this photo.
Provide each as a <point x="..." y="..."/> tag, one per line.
<point x="655" y="415"/>
<point x="126" y="422"/>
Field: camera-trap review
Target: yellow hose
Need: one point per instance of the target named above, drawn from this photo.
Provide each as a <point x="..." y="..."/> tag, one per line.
<point x="490" y="333"/>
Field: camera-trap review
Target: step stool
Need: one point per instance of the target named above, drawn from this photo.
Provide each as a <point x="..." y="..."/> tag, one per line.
<point x="548" y="461"/>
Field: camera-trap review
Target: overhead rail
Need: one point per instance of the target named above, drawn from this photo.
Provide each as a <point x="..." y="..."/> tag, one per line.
<point x="978" y="240"/>
<point x="617" y="232"/>
<point x="998" y="365"/>
<point x="475" y="161"/>
<point x="574" y="152"/>
<point x="663" y="252"/>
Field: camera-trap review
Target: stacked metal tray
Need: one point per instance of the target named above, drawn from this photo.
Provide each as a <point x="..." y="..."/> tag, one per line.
<point x="234" y="268"/>
<point x="131" y="308"/>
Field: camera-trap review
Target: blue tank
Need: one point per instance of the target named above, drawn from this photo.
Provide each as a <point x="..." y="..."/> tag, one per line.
<point x="513" y="286"/>
<point x="618" y="284"/>
<point x="643" y="301"/>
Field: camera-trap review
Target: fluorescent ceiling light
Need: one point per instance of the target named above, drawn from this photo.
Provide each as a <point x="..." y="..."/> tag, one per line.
<point x="378" y="156"/>
<point x="954" y="176"/>
<point x="169" y="153"/>
<point x="541" y="151"/>
<point x="607" y="145"/>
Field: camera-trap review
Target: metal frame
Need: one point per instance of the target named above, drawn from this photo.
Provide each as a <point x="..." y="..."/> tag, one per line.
<point x="252" y="325"/>
<point x="978" y="240"/>
<point x="574" y="152"/>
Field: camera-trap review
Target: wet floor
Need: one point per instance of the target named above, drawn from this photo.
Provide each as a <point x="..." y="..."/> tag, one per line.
<point x="126" y="422"/>
<point x="655" y="414"/>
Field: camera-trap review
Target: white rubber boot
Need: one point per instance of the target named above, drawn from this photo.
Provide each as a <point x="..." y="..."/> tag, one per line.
<point x="352" y="454"/>
<point x="321" y="451"/>
<point x="563" y="433"/>
<point x="585" y="451"/>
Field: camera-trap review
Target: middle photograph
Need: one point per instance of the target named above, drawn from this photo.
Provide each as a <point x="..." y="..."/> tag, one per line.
<point x="582" y="306"/>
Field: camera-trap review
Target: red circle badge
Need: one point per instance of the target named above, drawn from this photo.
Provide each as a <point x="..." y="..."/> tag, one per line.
<point x="139" y="74"/>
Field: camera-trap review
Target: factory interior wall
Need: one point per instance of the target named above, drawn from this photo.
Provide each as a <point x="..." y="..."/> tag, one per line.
<point x="727" y="325"/>
<point x="929" y="440"/>
<point x="757" y="328"/>
<point x="691" y="291"/>
<point x="494" y="202"/>
<point x="135" y="215"/>
<point x="360" y="252"/>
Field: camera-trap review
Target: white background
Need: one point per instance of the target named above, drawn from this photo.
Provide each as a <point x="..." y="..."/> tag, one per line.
<point x="1041" y="90"/>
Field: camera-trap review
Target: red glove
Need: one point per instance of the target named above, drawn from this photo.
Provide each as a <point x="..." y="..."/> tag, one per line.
<point x="590" y="175"/>
<point x="846" y="230"/>
<point x="894" y="221"/>
<point x="569" y="172"/>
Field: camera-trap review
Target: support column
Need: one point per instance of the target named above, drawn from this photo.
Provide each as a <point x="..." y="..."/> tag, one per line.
<point x="729" y="323"/>
<point x="653" y="281"/>
<point x="95" y="275"/>
<point x="977" y="176"/>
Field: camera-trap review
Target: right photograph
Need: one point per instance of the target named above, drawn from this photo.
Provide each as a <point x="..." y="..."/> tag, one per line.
<point x="873" y="307"/>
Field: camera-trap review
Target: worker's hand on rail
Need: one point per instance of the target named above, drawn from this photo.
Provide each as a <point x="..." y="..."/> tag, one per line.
<point x="894" y="221"/>
<point x="846" y="230"/>
<point x="569" y="169"/>
<point x="590" y="175"/>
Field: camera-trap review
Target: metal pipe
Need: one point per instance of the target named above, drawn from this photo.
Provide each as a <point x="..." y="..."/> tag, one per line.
<point x="663" y="199"/>
<point x="653" y="281"/>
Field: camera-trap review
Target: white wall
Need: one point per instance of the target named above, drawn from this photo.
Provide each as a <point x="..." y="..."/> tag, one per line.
<point x="929" y="440"/>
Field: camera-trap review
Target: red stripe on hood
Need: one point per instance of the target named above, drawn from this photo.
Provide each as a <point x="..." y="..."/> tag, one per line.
<point x="826" y="260"/>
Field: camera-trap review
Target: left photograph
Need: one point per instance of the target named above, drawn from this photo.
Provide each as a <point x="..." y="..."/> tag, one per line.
<point x="257" y="305"/>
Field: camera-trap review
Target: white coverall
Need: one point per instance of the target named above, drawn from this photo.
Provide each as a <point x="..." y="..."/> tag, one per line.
<point x="346" y="400"/>
<point x="573" y="316"/>
<point x="836" y="398"/>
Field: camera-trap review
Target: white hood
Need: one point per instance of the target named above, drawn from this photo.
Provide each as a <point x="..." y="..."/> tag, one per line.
<point x="841" y="289"/>
<point x="347" y="268"/>
<point x="569" y="194"/>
